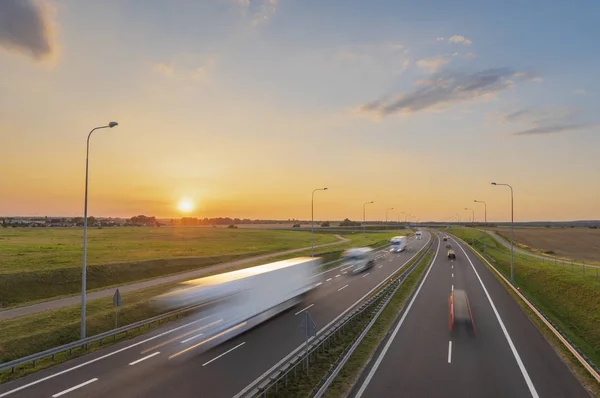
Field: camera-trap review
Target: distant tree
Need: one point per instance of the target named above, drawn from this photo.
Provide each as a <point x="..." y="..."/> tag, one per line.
<point x="4" y="224"/>
<point x="348" y="223"/>
<point x="296" y="226"/>
<point x="326" y="224"/>
<point x="232" y="226"/>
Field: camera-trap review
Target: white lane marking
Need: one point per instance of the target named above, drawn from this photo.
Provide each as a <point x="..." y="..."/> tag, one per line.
<point x="453" y="267"/>
<point x="97" y="359"/>
<point x="328" y="279"/>
<point x="58" y="394"/>
<point x="144" y="358"/>
<point x="366" y="274"/>
<point x="319" y="284"/>
<point x="346" y="268"/>
<point x="225" y="353"/>
<point x="250" y="386"/>
<point x="389" y="342"/>
<point x="200" y="334"/>
<point x="530" y="385"/>
<point x="337" y="276"/>
<point x="342" y="288"/>
<point x="302" y="310"/>
<point x="453" y="274"/>
<point x="381" y="266"/>
<point x="344" y="272"/>
<point x="449" y="352"/>
<point x="391" y="260"/>
<point x="452" y="287"/>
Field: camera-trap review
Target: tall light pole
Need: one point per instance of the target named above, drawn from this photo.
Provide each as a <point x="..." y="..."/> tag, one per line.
<point x="386" y="217"/>
<point x="458" y="218"/>
<point x="473" y="215"/>
<point x="85" y="206"/>
<point x="399" y="218"/>
<point x="484" y="210"/>
<point x="512" y="233"/>
<point x="364" y="219"/>
<point x="312" y="217"/>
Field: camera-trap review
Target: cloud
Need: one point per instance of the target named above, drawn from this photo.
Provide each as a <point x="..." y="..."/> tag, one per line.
<point x="528" y="75"/>
<point x="163" y="69"/>
<point x="550" y="120"/>
<point x="445" y="89"/>
<point x="460" y="39"/>
<point x="27" y="26"/>
<point x="433" y="64"/>
<point x="258" y="11"/>
<point x="582" y="92"/>
<point x="439" y="39"/>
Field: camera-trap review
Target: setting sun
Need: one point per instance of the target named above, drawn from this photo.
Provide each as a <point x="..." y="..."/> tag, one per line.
<point x="185" y="205"/>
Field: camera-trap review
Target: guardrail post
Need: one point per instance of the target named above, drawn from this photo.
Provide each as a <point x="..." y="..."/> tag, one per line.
<point x="34" y="361"/>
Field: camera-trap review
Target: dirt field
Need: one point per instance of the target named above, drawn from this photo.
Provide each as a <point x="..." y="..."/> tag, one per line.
<point x="574" y="243"/>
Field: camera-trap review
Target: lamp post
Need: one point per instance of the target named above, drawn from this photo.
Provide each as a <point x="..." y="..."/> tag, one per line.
<point x="512" y="232"/>
<point x="386" y="217"/>
<point x="312" y="217"/>
<point x="85" y="207"/>
<point x="484" y="210"/>
<point x="399" y="219"/>
<point x="473" y="215"/>
<point x="364" y="219"/>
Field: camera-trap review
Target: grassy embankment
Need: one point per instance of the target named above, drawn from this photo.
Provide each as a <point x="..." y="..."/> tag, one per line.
<point x="570" y="297"/>
<point x="27" y="335"/>
<point x="42" y="264"/>
<point x="303" y="384"/>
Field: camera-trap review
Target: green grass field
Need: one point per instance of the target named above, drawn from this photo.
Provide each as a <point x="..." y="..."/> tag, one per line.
<point x="39" y="264"/>
<point x="570" y="297"/>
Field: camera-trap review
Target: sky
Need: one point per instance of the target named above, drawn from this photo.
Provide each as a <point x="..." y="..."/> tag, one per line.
<point x="241" y="108"/>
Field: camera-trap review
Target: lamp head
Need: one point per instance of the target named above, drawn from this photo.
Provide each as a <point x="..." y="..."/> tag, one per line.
<point x="493" y="183"/>
<point x="113" y="124"/>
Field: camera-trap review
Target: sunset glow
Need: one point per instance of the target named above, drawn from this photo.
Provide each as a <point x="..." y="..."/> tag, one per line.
<point x="185" y="205"/>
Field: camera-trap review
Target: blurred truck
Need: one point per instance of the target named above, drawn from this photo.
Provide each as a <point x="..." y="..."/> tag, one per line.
<point x="398" y="244"/>
<point x="234" y="302"/>
<point x="359" y="259"/>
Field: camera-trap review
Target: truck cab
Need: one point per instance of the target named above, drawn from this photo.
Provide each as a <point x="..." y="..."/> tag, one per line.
<point x="359" y="259"/>
<point x="398" y="244"/>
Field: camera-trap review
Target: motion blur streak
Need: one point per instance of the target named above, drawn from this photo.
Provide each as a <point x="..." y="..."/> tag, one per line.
<point x="183" y="335"/>
<point x="207" y="340"/>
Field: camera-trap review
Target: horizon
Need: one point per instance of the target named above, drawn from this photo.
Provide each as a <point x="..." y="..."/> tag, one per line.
<point x="243" y="108"/>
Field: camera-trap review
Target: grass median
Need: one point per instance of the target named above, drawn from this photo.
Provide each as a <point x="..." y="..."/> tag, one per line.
<point x="304" y="383"/>
<point x="568" y="296"/>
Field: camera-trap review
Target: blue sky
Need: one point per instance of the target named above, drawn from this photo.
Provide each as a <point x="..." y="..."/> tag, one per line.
<point x="244" y="106"/>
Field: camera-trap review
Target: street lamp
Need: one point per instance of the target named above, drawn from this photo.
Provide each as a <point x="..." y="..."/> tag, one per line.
<point x="458" y="218"/>
<point x="312" y="217"/>
<point x="473" y="214"/>
<point x="83" y="265"/>
<point x="364" y="205"/>
<point x="512" y="233"/>
<point x="386" y="217"/>
<point x="399" y="218"/>
<point x="484" y="210"/>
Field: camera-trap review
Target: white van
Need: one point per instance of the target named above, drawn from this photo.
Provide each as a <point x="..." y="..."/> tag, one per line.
<point x="398" y="244"/>
<point x="419" y="235"/>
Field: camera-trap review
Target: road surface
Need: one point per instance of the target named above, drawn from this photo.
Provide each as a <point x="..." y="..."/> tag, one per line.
<point x="548" y="259"/>
<point x="141" y="367"/>
<point x="506" y="357"/>
<point x="217" y="268"/>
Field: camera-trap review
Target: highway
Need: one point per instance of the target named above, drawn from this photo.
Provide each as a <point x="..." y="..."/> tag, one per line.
<point x="505" y="357"/>
<point x="170" y="361"/>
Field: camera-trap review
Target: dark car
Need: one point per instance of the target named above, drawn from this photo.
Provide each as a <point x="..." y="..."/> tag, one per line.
<point x="445" y="238"/>
<point x="451" y="254"/>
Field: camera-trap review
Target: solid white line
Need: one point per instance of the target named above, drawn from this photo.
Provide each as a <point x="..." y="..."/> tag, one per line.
<point x="366" y="274"/>
<point x="303" y="309"/>
<point x="530" y="385"/>
<point x="323" y="329"/>
<point x="97" y="359"/>
<point x="328" y="279"/>
<point x="225" y="353"/>
<point x="144" y="358"/>
<point x="389" y="342"/>
<point x="337" y="276"/>
<point x="58" y="394"/>
<point x="449" y="352"/>
<point x="343" y="287"/>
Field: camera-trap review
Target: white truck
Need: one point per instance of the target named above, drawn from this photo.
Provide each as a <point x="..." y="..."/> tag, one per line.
<point x="398" y="244"/>
<point x="419" y="235"/>
<point x="359" y="259"/>
<point x="234" y="302"/>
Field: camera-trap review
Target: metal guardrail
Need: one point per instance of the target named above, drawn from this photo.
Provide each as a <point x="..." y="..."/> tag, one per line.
<point x="577" y="353"/>
<point x="83" y="343"/>
<point x="374" y="304"/>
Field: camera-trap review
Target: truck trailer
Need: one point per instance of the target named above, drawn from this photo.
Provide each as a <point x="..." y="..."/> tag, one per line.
<point x="234" y="302"/>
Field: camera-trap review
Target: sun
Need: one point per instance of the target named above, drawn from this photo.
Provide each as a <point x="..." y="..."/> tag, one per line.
<point x="185" y="205"/>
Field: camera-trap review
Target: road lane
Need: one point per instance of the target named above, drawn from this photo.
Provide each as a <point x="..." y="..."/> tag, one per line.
<point x="426" y="359"/>
<point x="263" y="347"/>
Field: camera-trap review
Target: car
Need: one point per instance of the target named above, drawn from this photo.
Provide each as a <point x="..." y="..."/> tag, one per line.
<point x="448" y="246"/>
<point x="445" y="238"/>
<point x="451" y="254"/>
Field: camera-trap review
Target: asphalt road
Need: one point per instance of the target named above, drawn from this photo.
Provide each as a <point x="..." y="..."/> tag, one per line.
<point x="505" y="357"/>
<point x="75" y="300"/>
<point x="145" y="366"/>
<point x="548" y="259"/>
